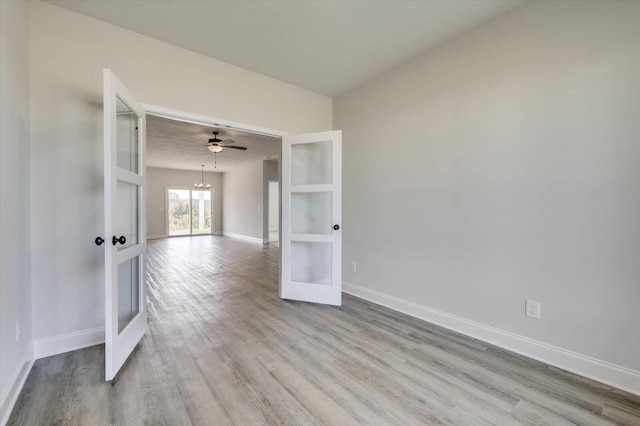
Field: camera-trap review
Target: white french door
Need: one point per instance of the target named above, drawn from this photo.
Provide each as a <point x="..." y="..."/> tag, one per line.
<point x="125" y="223"/>
<point x="311" y="218"/>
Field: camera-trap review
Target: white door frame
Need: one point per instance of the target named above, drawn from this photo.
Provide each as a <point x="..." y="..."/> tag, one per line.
<point x="188" y="117"/>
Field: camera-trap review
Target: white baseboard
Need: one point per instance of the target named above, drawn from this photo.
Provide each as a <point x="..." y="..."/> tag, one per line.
<point x="244" y="238"/>
<point x="595" y="369"/>
<point x="16" y="382"/>
<point x="68" y="342"/>
<point x="156" y="237"/>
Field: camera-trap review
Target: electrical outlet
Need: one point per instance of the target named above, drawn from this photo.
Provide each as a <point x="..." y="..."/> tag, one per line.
<point x="532" y="309"/>
<point x="353" y="266"/>
<point x="17" y="330"/>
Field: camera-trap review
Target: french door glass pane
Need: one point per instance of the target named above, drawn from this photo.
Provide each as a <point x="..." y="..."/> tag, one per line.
<point x="128" y="291"/>
<point x="201" y="212"/>
<point x="311" y="163"/>
<point x="310" y="262"/>
<point x="311" y="213"/>
<point x="127" y="137"/>
<point x="179" y="211"/>
<point x="126" y="219"/>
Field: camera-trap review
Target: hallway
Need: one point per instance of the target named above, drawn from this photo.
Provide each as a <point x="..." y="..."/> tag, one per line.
<point x="223" y="348"/>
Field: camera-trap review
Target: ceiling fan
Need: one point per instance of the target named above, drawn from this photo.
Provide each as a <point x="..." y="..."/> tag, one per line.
<point x="216" y="145"/>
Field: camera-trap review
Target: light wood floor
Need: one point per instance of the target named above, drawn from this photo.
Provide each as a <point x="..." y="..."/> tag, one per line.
<point x="224" y="349"/>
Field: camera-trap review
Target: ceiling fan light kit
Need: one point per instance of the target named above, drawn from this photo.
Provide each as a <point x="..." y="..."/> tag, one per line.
<point x="216" y="145"/>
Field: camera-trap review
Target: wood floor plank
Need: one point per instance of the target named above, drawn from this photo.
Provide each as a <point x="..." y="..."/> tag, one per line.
<point x="492" y="381"/>
<point x="621" y="414"/>
<point x="224" y="349"/>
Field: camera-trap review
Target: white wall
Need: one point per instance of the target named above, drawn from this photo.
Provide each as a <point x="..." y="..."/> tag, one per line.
<point x="159" y="179"/>
<point x="68" y="52"/>
<point x="15" y="282"/>
<point x="504" y="165"/>
<point x="242" y="201"/>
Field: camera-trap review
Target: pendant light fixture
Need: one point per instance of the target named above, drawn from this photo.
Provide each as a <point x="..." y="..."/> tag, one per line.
<point x="201" y="185"/>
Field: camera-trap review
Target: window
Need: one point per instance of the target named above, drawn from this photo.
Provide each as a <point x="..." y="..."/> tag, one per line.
<point x="189" y="212"/>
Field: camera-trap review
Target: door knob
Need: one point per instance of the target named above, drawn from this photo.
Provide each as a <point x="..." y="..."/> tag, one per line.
<point x="120" y="240"/>
<point x="336" y="227"/>
<point x="99" y="241"/>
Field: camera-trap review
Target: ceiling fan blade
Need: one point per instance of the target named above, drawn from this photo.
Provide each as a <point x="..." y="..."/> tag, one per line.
<point x="228" y="141"/>
<point x="236" y="147"/>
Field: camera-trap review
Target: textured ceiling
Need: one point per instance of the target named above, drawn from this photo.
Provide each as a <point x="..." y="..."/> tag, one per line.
<point x="325" y="46"/>
<point x="177" y="145"/>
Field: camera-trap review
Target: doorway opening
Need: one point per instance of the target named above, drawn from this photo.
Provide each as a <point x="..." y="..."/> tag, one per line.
<point x="237" y="161"/>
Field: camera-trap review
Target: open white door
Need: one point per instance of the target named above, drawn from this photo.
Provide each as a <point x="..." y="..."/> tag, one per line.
<point x="125" y="223"/>
<point x="311" y="266"/>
